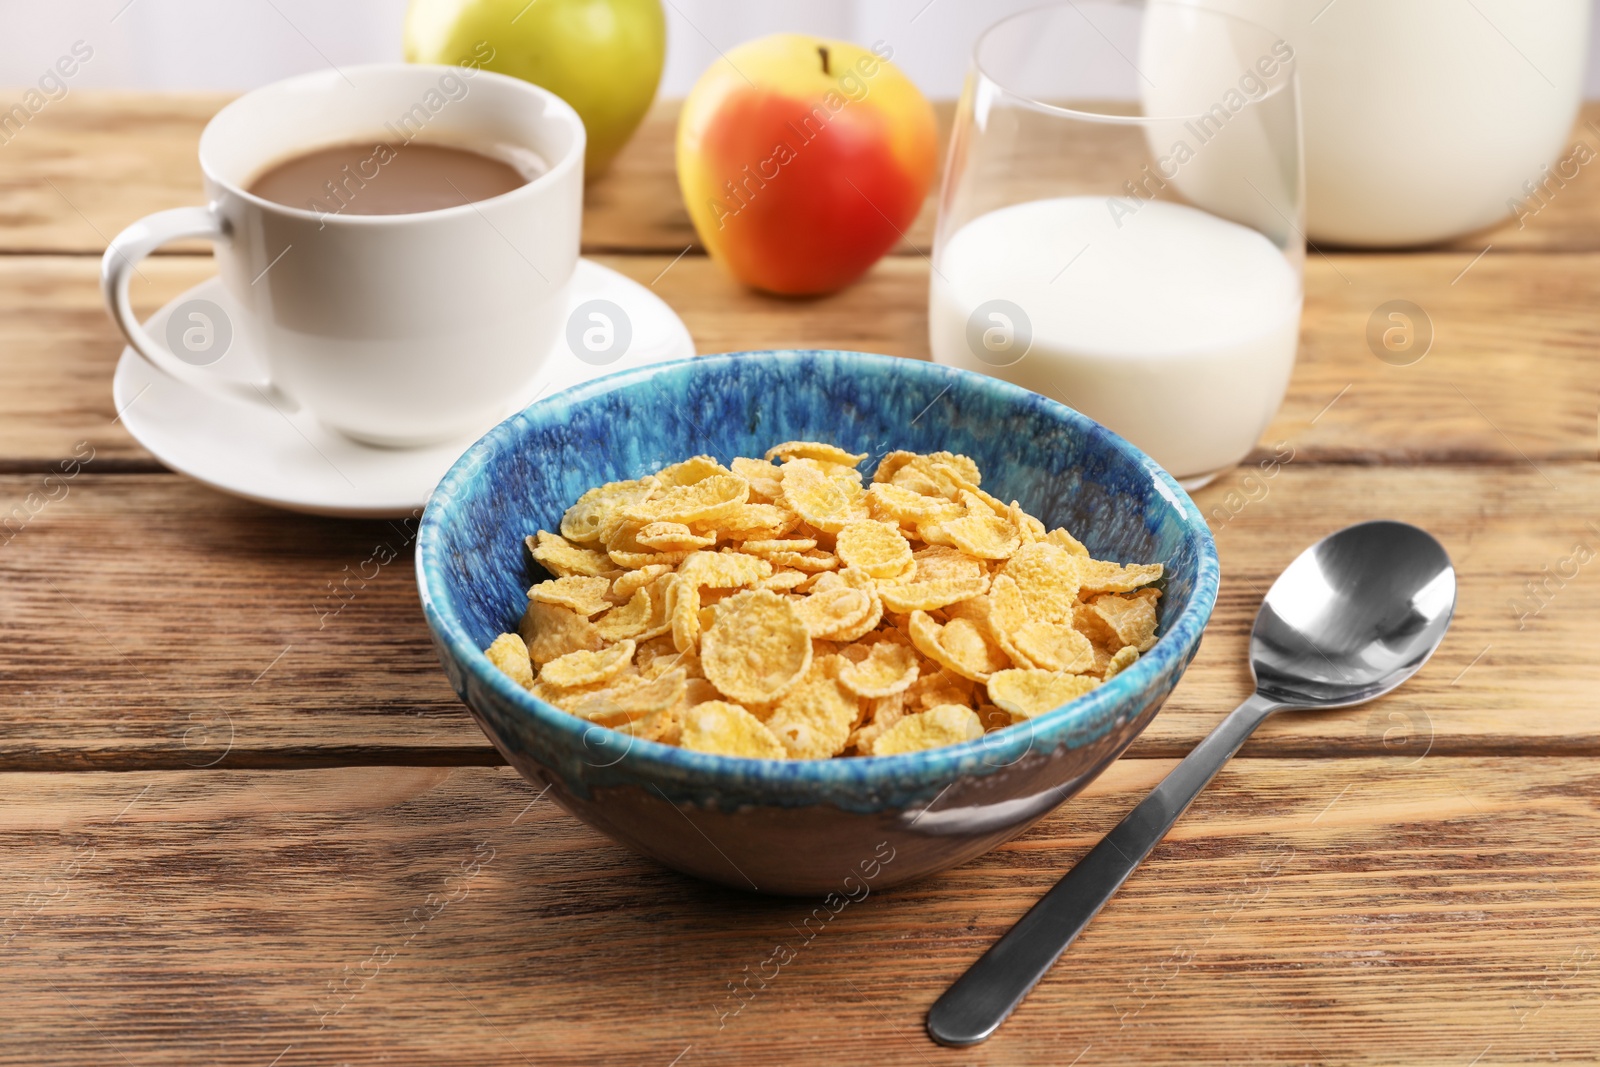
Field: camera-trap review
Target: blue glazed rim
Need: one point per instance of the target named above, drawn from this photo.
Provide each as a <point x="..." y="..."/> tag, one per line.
<point x="1074" y="723"/>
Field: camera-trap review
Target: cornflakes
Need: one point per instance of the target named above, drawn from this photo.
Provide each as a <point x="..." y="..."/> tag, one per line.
<point x="786" y="608"/>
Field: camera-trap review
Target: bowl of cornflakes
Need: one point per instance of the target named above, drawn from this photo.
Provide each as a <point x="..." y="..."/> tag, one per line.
<point x="805" y="621"/>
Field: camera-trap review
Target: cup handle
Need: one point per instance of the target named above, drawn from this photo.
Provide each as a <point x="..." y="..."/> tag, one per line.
<point x="121" y="260"/>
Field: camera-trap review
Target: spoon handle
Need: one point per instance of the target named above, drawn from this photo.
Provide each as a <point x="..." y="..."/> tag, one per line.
<point x="980" y="1000"/>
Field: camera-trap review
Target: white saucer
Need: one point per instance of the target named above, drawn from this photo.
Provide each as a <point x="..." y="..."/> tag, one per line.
<point x="294" y="462"/>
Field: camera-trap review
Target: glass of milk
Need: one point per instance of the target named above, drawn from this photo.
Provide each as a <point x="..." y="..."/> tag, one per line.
<point x="1136" y="254"/>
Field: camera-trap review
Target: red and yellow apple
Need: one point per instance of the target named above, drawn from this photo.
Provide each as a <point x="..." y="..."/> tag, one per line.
<point x="802" y="160"/>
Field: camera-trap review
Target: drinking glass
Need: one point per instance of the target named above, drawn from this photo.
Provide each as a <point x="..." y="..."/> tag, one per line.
<point x="1135" y="254"/>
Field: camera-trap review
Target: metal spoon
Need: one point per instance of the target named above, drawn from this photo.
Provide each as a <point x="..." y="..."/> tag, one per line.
<point x="1354" y="616"/>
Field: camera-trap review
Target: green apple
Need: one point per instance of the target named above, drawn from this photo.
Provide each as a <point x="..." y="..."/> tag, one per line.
<point x="601" y="56"/>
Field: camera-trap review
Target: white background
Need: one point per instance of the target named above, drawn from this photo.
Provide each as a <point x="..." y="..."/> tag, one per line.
<point x="239" y="44"/>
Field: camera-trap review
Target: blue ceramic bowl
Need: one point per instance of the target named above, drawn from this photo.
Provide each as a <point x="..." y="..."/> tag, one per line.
<point x="779" y="826"/>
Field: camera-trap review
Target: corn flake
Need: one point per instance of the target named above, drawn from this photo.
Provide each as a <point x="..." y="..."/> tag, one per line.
<point x="1054" y="646"/>
<point x="672" y="537"/>
<point x="762" y="476"/>
<point x="756" y="521"/>
<point x="510" y="654"/>
<point x="587" y="668"/>
<point x="890" y="465"/>
<point x="625" y="558"/>
<point x="816" y="450"/>
<point x="772" y="546"/>
<point x="1030" y="528"/>
<point x="939" y="562"/>
<point x="723" y="570"/>
<point x="939" y="474"/>
<point x="817" y="498"/>
<point x="1047" y="578"/>
<point x="631" y="699"/>
<point x="683" y="611"/>
<point x="703" y="501"/>
<point x="829" y="611"/>
<point x="1060" y="536"/>
<point x="1125" y="657"/>
<point x="628" y="620"/>
<point x="784" y="580"/>
<point x="882" y="713"/>
<point x="1030" y="693"/>
<point x="812" y="561"/>
<point x="943" y="724"/>
<point x="551" y="631"/>
<point x="876" y="548"/>
<point x="757" y="648"/>
<point x="665" y="725"/>
<point x="1100" y="576"/>
<point x="564" y="559"/>
<point x="982" y="534"/>
<point x="895" y="503"/>
<point x="930" y="595"/>
<point x="584" y="594"/>
<point x="816" y="717"/>
<point x="629" y="582"/>
<point x="689" y="471"/>
<point x="867" y="623"/>
<point x="958" y="646"/>
<point x="886" y="669"/>
<point x="939" y="686"/>
<point x="726" y="729"/>
<point x="584" y="520"/>
<point x="1130" y="619"/>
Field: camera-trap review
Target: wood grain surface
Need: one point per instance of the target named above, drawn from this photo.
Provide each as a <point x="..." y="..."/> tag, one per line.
<point x="225" y="633"/>
<point x="246" y="822"/>
<point x="1373" y="911"/>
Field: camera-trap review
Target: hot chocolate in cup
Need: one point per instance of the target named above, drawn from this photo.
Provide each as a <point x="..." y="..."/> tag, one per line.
<point x="398" y="327"/>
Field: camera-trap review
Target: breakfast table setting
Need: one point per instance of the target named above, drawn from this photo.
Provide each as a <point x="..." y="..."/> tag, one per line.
<point x="371" y="691"/>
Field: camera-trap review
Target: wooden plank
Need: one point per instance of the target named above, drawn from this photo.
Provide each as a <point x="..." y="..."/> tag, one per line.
<point x="54" y="196"/>
<point x="1510" y="377"/>
<point x="148" y="622"/>
<point x="91" y="163"/>
<point x="1348" y="911"/>
<point x="59" y="350"/>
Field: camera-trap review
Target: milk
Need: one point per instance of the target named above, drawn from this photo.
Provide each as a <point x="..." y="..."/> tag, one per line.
<point x="1170" y="326"/>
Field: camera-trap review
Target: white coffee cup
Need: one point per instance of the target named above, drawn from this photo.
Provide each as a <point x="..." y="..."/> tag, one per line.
<point x="392" y="329"/>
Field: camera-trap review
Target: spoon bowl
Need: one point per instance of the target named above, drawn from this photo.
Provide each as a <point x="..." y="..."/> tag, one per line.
<point x="1353" y="616"/>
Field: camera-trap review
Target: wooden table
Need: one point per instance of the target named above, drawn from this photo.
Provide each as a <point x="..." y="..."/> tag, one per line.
<point x="239" y="829"/>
